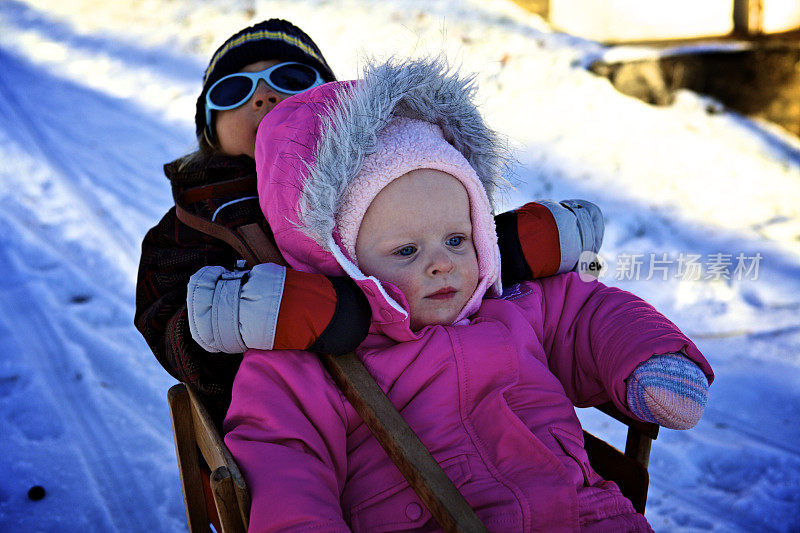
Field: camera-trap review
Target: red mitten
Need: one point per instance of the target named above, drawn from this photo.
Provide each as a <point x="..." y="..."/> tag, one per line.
<point x="545" y="238"/>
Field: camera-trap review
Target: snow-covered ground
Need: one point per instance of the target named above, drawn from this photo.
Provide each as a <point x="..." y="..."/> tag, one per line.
<point x="95" y="96"/>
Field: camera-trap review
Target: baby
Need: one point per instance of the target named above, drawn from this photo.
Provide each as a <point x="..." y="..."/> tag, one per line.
<point x="388" y="181"/>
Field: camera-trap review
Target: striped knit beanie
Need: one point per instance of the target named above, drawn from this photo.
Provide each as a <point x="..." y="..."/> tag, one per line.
<point x="270" y="39"/>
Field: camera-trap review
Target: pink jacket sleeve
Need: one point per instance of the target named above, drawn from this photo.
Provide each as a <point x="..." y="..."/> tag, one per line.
<point x="596" y="335"/>
<point x="286" y="428"/>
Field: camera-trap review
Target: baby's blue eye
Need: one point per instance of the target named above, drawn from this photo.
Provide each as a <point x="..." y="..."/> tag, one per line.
<point x="406" y="251"/>
<point x="455" y="241"/>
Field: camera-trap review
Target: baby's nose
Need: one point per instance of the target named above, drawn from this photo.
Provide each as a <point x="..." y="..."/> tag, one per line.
<point x="440" y="264"/>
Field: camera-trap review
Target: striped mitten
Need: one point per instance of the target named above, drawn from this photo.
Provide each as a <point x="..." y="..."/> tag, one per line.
<point x="669" y="390"/>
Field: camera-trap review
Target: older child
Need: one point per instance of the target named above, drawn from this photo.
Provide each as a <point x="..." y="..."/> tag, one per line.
<point x="248" y="75"/>
<point x="388" y="181"/>
<point x="226" y="123"/>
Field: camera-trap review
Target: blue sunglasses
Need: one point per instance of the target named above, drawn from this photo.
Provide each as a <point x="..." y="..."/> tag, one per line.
<point x="236" y="89"/>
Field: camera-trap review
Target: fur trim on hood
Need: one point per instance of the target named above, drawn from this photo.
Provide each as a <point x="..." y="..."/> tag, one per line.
<point x="423" y="89"/>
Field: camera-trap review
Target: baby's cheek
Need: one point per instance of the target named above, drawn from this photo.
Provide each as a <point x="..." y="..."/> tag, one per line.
<point x="407" y="283"/>
<point x="471" y="270"/>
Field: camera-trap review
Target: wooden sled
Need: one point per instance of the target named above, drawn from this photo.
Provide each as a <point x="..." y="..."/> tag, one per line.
<point x="213" y="487"/>
<point x="215" y="493"/>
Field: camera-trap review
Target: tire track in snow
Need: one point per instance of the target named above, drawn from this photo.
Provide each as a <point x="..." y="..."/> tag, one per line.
<point x="113" y="477"/>
<point x="105" y="481"/>
<point x="755" y="438"/>
<point x="726" y="518"/>
<point x="734" y="475"/>
<point x="86" y="149"/>
<point x="84" y="200"/>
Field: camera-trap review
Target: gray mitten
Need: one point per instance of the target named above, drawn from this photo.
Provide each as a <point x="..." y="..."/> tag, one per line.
<point x="233" y="311"/>
<point x="580" y="229"/>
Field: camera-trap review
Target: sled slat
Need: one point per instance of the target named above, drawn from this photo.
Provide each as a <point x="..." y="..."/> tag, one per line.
<point x="226" y="502"/>
<point x="188" y="459"/>
<point x="216" y="454"/>
<point x="205" y="432"/>
<point x="424" y="474"/>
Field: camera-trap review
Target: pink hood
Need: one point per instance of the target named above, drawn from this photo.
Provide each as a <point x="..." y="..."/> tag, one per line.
<point x="311" y="146"/>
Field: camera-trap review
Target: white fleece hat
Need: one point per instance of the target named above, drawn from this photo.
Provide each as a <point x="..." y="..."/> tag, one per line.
<point x="404" y="145"/>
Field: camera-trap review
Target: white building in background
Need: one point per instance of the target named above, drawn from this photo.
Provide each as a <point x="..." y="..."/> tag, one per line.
<point x="642" y="20"/>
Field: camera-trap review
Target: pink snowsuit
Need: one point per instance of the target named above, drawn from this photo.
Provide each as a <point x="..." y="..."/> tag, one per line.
<point x="491" y="397"/>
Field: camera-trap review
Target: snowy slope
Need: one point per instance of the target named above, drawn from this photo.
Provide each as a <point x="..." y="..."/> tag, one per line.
<point x="96" y="96"/>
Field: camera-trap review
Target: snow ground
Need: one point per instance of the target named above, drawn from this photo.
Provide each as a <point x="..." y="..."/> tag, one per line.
<point x="95" y="96"/>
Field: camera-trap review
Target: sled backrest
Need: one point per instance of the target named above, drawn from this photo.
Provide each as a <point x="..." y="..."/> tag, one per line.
<point x="214" y="491"/>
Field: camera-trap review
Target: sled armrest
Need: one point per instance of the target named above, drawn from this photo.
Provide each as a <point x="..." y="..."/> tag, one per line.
<point x="628" y="470"/>
<point x="640" y="434"/>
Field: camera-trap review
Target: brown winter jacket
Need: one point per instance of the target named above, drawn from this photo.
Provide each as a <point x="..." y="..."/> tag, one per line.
<point x="171" y="253"/>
